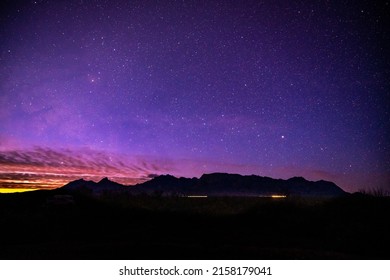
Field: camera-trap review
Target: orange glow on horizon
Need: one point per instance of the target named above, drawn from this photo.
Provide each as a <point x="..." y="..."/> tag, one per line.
<point x="15" y="190"/>
<point x="47" y="183"/>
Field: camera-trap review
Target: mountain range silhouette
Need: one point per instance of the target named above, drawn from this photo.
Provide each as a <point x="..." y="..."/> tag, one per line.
<point x="214" y="184"/>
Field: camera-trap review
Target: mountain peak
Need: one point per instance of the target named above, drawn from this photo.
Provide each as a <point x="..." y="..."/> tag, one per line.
<point x="103" y="185"/>
<point x="297" y="179"/>
<point x="104" y="180"/>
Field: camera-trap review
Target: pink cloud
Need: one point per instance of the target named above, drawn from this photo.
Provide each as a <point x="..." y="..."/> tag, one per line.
<point x="54" y="167"/>
<point x="48" y="168"/>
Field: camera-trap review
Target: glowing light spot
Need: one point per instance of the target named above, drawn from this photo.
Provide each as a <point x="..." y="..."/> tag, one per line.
<point x="278" y="196"/>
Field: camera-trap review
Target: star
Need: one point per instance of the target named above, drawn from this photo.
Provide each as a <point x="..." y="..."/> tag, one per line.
<point x="191" y="86"/>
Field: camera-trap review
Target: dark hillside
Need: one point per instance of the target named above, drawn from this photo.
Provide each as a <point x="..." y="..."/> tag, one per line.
<point x="149" y="227"/>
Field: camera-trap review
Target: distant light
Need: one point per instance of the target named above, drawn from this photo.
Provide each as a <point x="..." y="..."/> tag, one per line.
<point x="273" y="196"/>
<point x="278" y="196"/>
<point x="197" y="196"/>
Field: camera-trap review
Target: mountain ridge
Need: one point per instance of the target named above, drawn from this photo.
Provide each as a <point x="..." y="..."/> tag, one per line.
<point x="213" y="184"/>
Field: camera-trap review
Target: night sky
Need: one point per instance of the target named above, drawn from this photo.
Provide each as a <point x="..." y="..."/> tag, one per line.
<point x="134" y="89"/>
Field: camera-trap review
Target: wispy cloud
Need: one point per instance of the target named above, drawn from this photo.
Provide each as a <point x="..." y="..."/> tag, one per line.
<point x="47" y="168"/>
<point x="50" y="168"/>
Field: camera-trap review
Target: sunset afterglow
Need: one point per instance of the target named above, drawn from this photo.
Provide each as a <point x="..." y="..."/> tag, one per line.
<point x="133" y="89"/>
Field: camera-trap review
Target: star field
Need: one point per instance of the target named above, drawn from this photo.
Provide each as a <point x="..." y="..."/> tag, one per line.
<point x="129" y="89"/>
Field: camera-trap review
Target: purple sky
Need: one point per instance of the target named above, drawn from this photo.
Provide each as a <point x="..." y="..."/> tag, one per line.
<point x="131" y="89"/>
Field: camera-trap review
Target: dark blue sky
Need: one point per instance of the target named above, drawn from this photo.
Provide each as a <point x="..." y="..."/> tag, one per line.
<point x="129" y="89"/>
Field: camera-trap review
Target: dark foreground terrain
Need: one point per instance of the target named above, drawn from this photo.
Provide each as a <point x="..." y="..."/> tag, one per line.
<point x="127" y="227"/>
